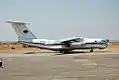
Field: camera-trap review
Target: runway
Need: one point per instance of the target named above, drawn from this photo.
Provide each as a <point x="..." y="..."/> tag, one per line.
<point x="55" y="66"/>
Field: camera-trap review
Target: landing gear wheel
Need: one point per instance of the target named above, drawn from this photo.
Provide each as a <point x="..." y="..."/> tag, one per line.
<point x="24" y="46"/>
<point x="63" y="52"/>
<point x="91" y="50"/>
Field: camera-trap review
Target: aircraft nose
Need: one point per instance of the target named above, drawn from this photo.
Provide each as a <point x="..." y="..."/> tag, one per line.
<point x="106" y="42"/>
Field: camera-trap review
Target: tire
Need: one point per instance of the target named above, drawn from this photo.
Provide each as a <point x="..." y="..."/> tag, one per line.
<point x="63" y="52"/>
<point x="91" y="50"/>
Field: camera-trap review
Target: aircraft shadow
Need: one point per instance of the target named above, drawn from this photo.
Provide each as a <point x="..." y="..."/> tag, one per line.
<point x="73" y="52"/>
<point x="82" y="52"/>
<point x="38" y="52"/>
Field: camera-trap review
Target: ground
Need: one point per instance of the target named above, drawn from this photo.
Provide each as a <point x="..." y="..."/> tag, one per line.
<point x="99" y="65"/>
<point x="17" y="48"/>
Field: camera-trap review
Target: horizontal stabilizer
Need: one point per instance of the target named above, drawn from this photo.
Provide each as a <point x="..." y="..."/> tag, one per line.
<point x="19" y="22"/>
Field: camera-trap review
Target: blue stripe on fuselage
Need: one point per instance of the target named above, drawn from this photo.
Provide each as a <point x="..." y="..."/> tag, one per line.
<point x="98" y="43"/>
<point x="42" y="44"/>
<point x="92" y="43"/>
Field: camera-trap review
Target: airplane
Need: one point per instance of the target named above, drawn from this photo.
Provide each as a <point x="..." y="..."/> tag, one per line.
<point x="26" y="37"/>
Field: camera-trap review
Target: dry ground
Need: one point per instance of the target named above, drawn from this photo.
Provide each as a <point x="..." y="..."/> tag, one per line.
<point x="113" y="47"/>
<point x="19" y="49"/>
<point x="51" y="66"/>
<point x="100" y="65"/>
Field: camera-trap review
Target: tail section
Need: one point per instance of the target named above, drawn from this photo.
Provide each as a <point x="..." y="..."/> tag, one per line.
<point x="23" y="33"/>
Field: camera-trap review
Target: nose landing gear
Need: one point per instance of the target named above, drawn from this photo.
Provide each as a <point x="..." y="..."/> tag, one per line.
<point x="63" y="52"/>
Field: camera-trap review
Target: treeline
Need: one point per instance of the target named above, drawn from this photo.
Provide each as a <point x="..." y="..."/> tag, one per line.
<point x="11" y="42"/>
<point x="14" y="43"/>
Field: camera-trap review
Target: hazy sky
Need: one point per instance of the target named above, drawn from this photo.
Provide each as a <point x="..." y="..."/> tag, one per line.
<point x="56" y="19"/>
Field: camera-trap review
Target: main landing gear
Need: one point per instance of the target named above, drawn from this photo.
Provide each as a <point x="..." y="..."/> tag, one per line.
<point x="63" y="52"/>
<point x="91" y="50"/>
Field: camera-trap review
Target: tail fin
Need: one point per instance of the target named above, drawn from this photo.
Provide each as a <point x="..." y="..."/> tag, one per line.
<point x="23" y="33"/>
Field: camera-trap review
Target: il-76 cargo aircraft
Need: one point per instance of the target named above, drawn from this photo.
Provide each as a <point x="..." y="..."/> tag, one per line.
<point x="26" y="37"/>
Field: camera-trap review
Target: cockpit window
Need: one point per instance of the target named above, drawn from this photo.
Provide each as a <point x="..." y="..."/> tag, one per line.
<point x="107" y="40"/>
<point x="103" y="41"/>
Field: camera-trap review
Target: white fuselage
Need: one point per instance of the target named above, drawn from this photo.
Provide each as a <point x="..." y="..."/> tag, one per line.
<point x="84" y="43"/>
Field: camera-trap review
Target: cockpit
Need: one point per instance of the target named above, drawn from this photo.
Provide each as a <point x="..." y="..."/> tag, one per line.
<point x="105" y="41"/>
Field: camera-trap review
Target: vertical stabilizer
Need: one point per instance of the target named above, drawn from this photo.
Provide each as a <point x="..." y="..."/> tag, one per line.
<point x="23" y="33"/>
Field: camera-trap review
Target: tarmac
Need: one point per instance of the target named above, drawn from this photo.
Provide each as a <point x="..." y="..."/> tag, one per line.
<point x="57" y="66"/>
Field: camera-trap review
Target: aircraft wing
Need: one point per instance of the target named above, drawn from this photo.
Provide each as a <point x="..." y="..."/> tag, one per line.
<point x="70" y="40"/>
